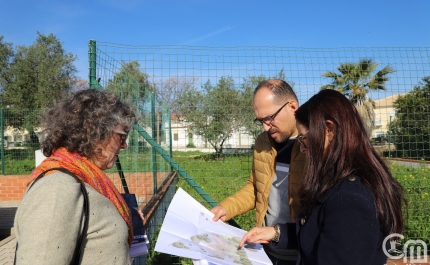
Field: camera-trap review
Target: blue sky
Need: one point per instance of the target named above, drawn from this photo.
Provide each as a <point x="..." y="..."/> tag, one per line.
<point x="308" y="24"/>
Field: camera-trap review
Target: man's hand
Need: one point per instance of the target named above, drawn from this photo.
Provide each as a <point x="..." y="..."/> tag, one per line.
<point x="219" y="212"/>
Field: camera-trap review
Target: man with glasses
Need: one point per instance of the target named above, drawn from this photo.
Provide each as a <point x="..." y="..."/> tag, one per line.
<point x="277" y="170"/>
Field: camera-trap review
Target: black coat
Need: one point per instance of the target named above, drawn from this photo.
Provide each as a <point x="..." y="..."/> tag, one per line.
<point x="343" y="228"/>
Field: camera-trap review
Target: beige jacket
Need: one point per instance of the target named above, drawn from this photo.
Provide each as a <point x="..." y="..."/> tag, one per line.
<point x="48" y="222"/>
<point x="256" y="191"/>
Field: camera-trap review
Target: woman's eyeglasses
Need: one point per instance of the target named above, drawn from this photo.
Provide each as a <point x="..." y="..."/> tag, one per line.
<point x="302" y="137"/>
<point x="123" y="136"/>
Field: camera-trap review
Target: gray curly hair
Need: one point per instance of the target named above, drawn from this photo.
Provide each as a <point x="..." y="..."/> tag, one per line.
<point x="83" y="120"/>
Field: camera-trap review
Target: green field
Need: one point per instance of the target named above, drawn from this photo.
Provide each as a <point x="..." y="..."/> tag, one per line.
<point x="416" y="187"/>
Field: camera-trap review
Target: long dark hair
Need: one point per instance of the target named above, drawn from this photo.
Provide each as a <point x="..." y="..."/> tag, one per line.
<point x="349" y="152"/>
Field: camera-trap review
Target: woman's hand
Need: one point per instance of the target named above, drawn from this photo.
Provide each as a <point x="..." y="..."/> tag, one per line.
<point x="260" y="235"/>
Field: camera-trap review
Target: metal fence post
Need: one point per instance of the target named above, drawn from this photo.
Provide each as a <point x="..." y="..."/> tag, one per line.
<point x="170" y="134"/>
<point x="2" y="140"/>
<point x="153" y="151"/>
<point x="92" y="59"/>
<point x="389" y="139"/>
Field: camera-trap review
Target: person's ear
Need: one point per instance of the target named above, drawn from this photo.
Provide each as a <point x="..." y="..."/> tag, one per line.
<point x="293" y="105"/>
<point x="329" y="130"/>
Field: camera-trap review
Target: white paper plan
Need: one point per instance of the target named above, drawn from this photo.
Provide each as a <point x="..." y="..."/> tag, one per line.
<point x="188" y="231"/>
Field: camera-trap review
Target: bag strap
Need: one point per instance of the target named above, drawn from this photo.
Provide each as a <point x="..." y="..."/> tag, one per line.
<point x="77" y="252"/>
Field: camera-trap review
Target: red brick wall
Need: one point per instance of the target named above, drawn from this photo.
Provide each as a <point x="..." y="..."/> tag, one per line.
<point x="12" y="187"/>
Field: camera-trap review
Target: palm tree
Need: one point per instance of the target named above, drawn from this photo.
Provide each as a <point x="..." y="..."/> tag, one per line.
<point x="354" y="81"/>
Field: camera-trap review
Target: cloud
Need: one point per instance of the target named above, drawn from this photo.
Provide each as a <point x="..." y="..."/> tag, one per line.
<point x="224" y="29"/>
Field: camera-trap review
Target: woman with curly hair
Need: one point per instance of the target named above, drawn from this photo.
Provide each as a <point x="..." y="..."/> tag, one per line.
<point x="71" y="212"/>
<point x="349" y="200"/>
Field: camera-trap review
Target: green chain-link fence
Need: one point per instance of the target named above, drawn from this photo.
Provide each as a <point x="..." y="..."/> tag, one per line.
<point x="19" y="138"/>
<point x="209" y="92"/>
<point x="196" y="104"/>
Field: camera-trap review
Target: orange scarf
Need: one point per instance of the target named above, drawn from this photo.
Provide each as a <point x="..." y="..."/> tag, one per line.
<point x="89" y="173"/>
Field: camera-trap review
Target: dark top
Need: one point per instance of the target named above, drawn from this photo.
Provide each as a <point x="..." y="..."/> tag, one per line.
<point x="284" y="150"/>
<point x="343" y="228"/>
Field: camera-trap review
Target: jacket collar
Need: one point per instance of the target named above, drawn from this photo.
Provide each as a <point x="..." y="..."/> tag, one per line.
<point x="272" y="142"/>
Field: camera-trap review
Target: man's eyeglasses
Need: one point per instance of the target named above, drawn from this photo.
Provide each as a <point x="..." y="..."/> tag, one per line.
<point x="269" y="119"/>
<point x="122" y="135"/>
<point x="302" y="137"/>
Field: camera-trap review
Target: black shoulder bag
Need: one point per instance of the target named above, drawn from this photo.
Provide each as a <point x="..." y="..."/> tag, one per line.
<point x="77" y="252"/>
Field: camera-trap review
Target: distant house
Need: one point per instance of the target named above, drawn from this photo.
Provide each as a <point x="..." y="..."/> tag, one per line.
<point x="384" y="109"/>
<point x="15" y="137"/>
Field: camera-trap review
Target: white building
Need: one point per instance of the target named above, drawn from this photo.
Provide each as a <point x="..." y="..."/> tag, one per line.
<point x="183" y="138"/>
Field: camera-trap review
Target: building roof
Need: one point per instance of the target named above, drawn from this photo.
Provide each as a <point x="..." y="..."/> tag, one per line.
<point x="387" y="102"/>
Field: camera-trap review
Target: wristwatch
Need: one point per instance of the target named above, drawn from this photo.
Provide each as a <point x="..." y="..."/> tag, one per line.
<point x="277" y="232"/>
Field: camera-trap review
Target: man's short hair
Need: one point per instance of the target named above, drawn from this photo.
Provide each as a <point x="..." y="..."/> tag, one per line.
<point x="279" y="88"/>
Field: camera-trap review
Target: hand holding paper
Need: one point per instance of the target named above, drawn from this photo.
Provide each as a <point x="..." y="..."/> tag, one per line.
<point x="188" y="231"/>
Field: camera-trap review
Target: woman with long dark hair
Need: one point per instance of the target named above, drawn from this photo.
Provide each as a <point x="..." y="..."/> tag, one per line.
<point x="349" y="200"/>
